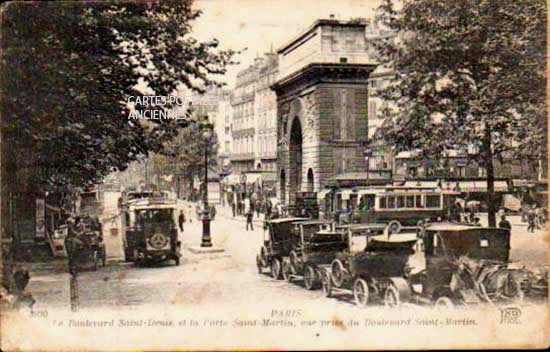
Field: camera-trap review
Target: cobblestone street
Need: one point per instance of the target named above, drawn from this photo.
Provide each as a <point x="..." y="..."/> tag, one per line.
<point x="228" y="278"/>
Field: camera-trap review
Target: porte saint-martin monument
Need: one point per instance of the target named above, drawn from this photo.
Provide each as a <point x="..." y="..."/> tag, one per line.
<point x="322" y="93"/>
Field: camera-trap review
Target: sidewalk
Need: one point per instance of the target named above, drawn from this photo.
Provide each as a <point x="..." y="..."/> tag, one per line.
<point x="227" y="213"/>
<point x="221" y="211"/>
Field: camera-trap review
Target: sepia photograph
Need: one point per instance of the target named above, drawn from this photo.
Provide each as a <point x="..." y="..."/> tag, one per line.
<point x="274" y="175"/>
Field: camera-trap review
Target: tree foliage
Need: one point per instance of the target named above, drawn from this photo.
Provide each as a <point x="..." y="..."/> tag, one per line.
<point x="185" y="154"/>
<point x="68" y="69"/>
<point x="467" y="75"/>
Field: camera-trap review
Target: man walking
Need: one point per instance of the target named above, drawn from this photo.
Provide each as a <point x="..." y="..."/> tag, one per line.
<point x="181" y="220"/>
<point x="531" y="220"/>
<point x="504" y="224"/>
<point x="73" y="244"/>
<point x="249" y="212"/>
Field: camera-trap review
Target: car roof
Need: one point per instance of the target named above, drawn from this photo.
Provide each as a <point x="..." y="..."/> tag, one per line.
<point x="314" y="222"/>
<point x="283" y="220"/>
<point x="456" y="227"/>
<point x="154" y="206"/>
<point x="362" y="226"/>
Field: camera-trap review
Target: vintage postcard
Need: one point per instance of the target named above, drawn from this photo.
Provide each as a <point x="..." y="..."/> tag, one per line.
<point x="274" y="175"/>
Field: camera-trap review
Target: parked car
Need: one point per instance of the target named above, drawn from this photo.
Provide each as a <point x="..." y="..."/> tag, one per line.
<point x="369" y="259"/>
<point x="277" y="244"/>
<point x="460" y="265"/>
<point x="464" y="265"/>
<point x="314" y="243"/>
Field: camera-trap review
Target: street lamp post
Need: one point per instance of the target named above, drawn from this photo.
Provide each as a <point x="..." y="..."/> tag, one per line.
<point x="367" y="154"/>
<point x="206" y="240"/>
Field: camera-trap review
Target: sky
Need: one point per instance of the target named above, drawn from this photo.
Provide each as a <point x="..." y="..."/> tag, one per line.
<point x="261" y="24"/>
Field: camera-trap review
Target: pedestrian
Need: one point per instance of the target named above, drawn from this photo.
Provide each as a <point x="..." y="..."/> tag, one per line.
<point x="212" y="212"/>
<point x="181" y="220"/>
<point x="538" y="217"/>
<point x="258" y="207"/>
<point x="73" y="244"/>
<point x="504" y="224"/>
<point x="531" y="220"/>
<point x="280" y="209"/>
<point x="268" y="208"/>
<point x="249" y="211"/>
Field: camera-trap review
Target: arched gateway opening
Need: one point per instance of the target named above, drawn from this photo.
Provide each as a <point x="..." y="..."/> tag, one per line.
<point x="295" y="155"/>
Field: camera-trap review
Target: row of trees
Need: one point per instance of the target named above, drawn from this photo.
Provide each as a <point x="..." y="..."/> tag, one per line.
<point x="67" y="70"/>
<point x="467" y="75"/>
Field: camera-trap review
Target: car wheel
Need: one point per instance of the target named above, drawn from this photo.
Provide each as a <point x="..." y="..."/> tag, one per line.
<point x="276" y="268"/>
<point x="337" y="275"/>
<point x="177" y="260"/>
<point x="309" y="277"/>
<point x="361" y="292"/>
<point x="391" y="297"/>
<point x="287" y="271"/>
<point x="444" y="302"/>
<point x="326" y="284"/>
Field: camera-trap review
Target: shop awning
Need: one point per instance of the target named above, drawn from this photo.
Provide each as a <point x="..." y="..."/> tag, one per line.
<point x="522" y="183"/>
<point x="481" y="186"/>
<point x="232" y="179"/>
<point x="425" y="184"/>
<point x="251" y="178"/>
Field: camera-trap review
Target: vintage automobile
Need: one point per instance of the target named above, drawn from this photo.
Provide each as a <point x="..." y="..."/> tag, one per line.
<point x="154" y="236"/>
<point x="278" y="239"/>
<point x="369" y="258"/>
<point x="313" y="243"/>
<point x="146" y="220"/>
<point x="447" y="265"/>
<point x="463" y="264"/>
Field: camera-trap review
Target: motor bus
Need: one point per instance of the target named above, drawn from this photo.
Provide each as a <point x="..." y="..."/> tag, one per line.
<point x="396" y="206"/>
<point x="135" y="210"/>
